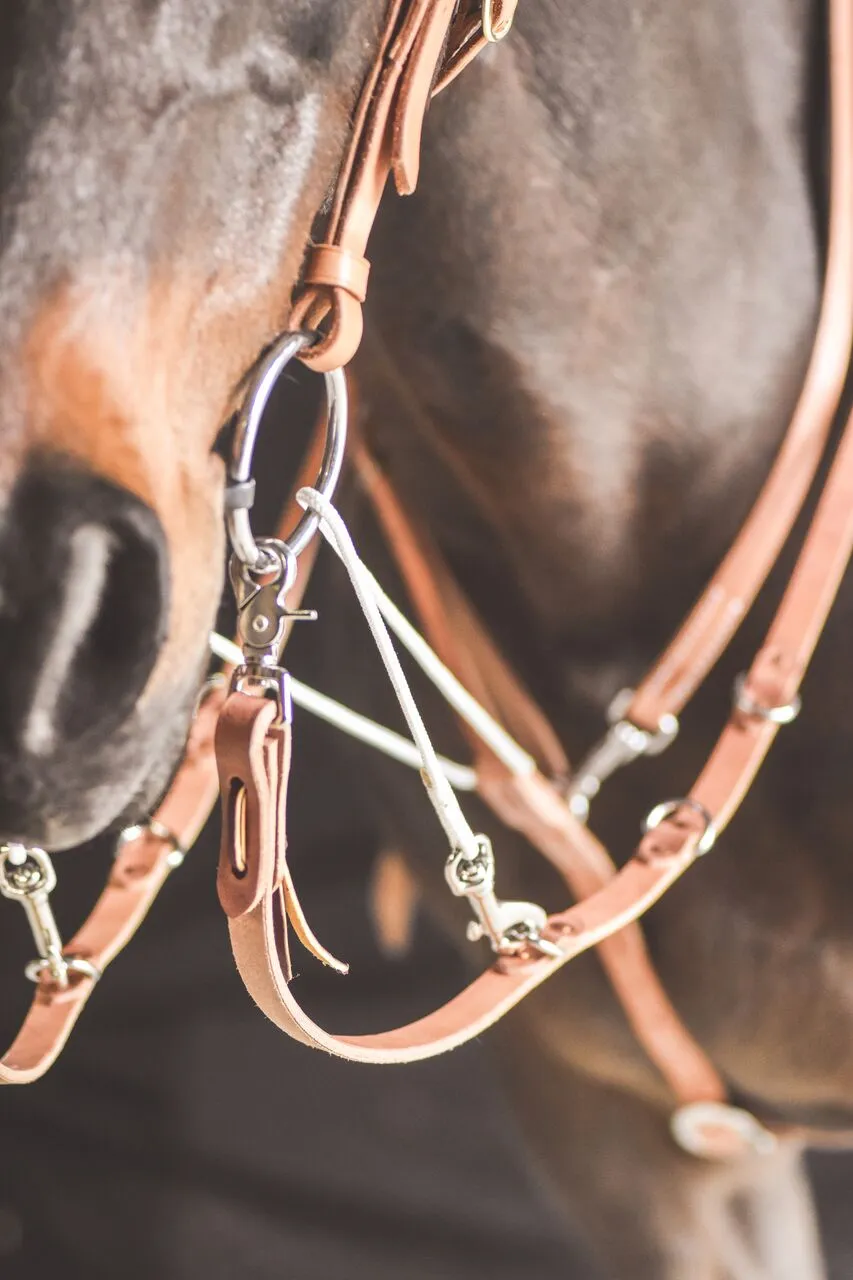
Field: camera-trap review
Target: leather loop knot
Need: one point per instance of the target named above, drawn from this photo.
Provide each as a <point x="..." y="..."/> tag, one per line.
<point x="341" y="312"/>
<point x="335" y="287"/>
<point x="339" y="268"/>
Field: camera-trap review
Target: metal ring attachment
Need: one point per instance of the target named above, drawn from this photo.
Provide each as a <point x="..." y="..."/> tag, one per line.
<point x="667" y="808"/>
<point x="177" y="853"/>
<point x="495" y="28"/>
<point x="784" y="714"/>
<point x="246" y="427"/>
<point x="36" y="969"/>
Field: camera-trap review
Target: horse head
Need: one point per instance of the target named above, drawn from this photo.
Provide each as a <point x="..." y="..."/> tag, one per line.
<point x="161" y="166"/>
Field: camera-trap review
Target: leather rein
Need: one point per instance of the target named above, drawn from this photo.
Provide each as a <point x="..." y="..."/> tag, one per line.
<point x="240" y="742"/>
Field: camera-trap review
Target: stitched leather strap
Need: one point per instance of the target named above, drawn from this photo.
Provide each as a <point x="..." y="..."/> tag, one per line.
<point x="141" y="868"/>
<point x="422" y="47"/>
<point x="704" y="635"/>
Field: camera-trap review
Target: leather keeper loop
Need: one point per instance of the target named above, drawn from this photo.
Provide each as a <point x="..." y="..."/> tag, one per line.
<point x="329" y="264"/>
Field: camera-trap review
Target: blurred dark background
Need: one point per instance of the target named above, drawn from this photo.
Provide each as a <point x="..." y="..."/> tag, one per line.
<point x="182" y="1137"/>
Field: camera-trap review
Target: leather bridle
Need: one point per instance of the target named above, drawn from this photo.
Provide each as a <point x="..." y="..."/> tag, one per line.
<point x="423" y="45"/>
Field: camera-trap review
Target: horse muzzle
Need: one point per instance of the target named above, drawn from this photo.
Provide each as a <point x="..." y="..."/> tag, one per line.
<point x="84" y="611"/>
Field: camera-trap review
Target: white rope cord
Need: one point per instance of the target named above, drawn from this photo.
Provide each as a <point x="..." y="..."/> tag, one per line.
<point x="460" y="776"/>
<point x="441" y="795"/>
<point x="466" y="706"/>
<point x="507" y="750"/>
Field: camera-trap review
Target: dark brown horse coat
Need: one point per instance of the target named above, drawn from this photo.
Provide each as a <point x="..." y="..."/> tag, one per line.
<point x="586" y="334"/>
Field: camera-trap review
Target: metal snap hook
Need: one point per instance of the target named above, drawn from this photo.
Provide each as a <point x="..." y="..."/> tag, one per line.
<point x="240" y="487"/>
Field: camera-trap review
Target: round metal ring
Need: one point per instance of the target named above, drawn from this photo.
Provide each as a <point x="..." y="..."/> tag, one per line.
<point x="177" y="853"/>
<point x="248" y="421"/>
<point x="25" y="870"/>
<point x="667" y="808"/>
<point x="494" y="31"/>
<point x="775" y="715"/>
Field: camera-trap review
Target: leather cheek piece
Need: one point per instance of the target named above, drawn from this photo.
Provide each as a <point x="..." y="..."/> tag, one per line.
<point x="253" y="759"/>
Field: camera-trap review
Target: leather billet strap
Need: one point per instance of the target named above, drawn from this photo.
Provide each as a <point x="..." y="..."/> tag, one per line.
<point x="423" y="45"/>
<point x="253" y="757"/>
<point x="723" y="604"/>
<point x="141" y="868"/>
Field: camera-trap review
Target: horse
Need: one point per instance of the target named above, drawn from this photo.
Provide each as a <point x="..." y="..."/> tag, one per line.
<point x="585" y="337"/>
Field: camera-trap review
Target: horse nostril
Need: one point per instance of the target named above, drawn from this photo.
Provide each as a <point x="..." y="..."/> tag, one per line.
<point x="83" y="606"/>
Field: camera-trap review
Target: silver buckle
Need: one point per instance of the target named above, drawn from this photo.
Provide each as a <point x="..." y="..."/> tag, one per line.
<point x="667" y="808"/>
<point x="623" y="742"/>
<point x="511" y="927"/>
<point x="784" y="714"/>
<point x="27" y="876"/>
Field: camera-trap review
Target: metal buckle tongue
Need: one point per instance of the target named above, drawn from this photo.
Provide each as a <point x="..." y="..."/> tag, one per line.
<point x="27" y="876"/>
<point x="511" y="927"/>
<point x="623" y="743"/>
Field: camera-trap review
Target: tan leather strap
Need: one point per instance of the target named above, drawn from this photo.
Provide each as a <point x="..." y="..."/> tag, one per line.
<point x="141" y="868"/>
<point x="723" y="604"/>
<point x="423" y="46"/>
<point x="253" y="755"/>
<point x="257" y="934"/>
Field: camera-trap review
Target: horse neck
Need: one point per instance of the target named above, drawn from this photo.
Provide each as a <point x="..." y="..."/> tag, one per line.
<point x="590" y="326"/>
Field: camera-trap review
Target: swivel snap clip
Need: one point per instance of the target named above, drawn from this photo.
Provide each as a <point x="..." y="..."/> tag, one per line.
<point x="262" y="618"/>
<point x="511" y="927"/>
